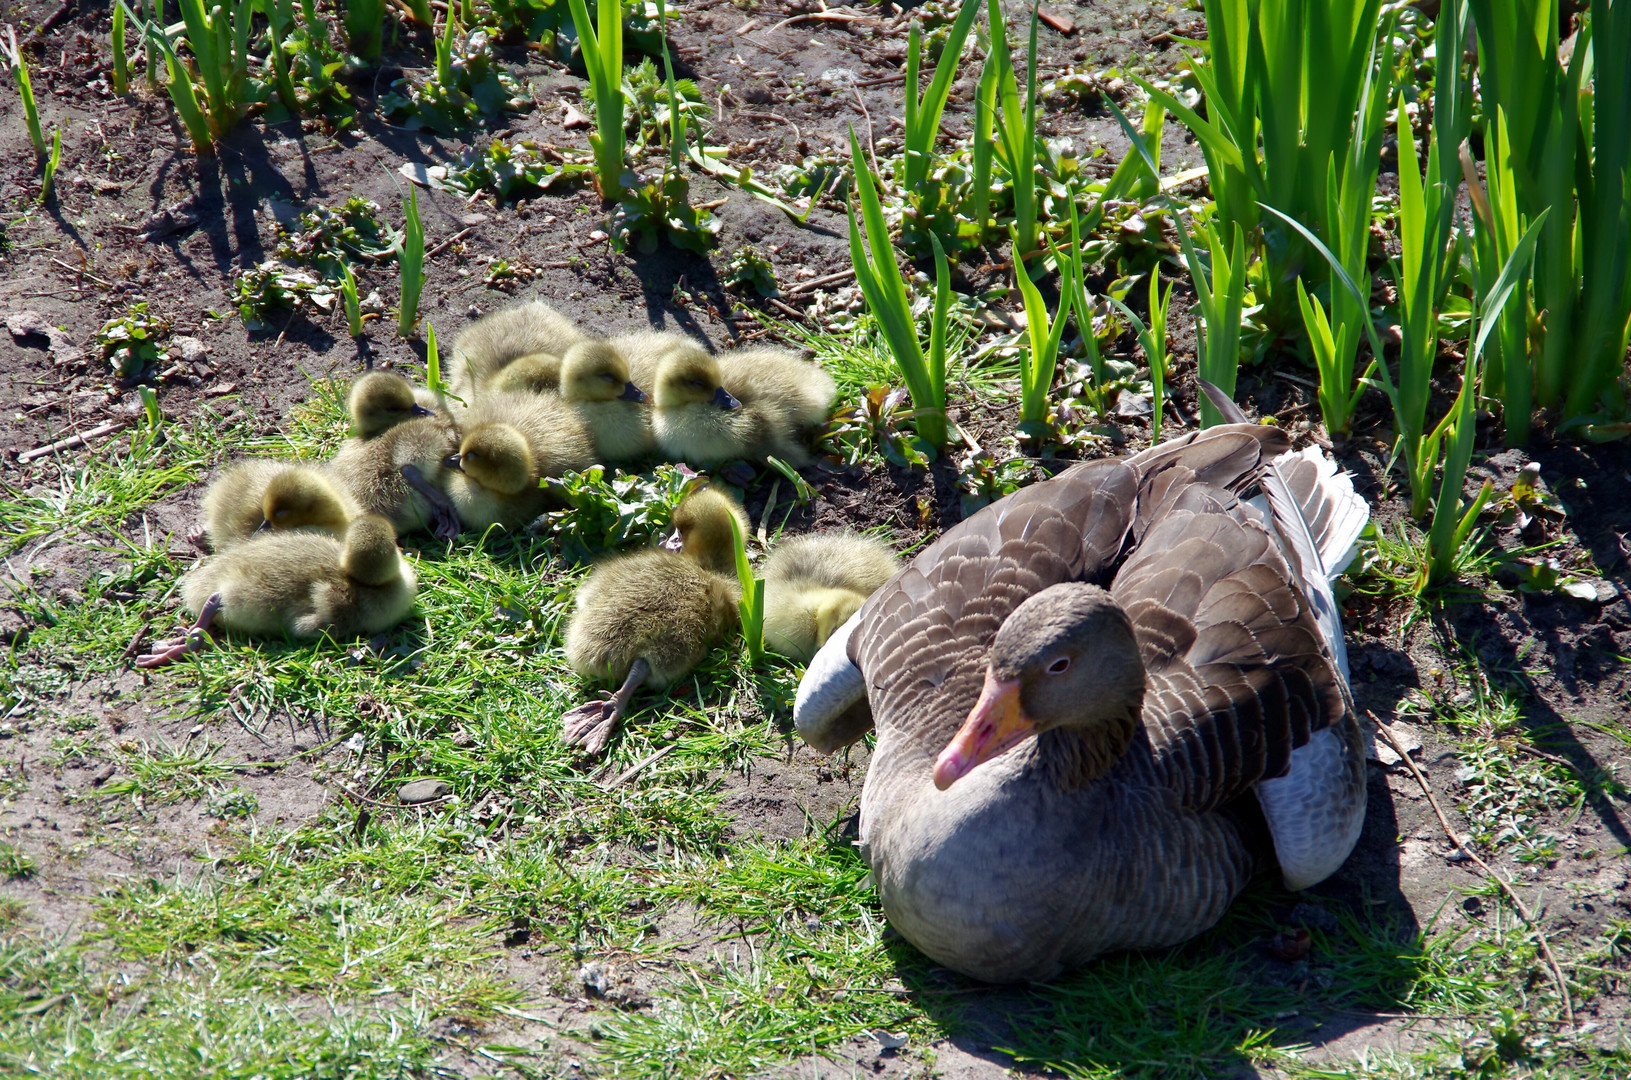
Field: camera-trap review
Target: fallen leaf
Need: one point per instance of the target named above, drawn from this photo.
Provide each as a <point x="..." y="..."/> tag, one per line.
<point x="1062" y="23"/>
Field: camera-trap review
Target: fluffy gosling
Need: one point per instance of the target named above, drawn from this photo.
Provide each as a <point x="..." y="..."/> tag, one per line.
<point x="302" y="585"/>
<point x="249" y="496"/>
<point x="380" y="400"/>
<point x="650" y="617"/>
<point x="595" y="382"/>
<point x="510" y="442"/>
<point x="710" y="410"/>
<point x="487" y="347"/>
<point x="814" y="583"/>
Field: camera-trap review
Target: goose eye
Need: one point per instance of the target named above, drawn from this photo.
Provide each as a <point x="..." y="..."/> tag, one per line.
<point x="280" y="514"/>
<point x="1059" y="666"/>
<point x="698" y="384"/>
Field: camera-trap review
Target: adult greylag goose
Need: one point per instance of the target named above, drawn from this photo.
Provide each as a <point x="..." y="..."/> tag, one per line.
<point x="1076" y="690"/>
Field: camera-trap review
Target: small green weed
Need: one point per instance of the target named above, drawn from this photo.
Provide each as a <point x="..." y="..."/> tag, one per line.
<point x="326" y="238"/>
<point x="509" y="171"/>
<point x="655" y="210"/>
<point x="272" y="287"/>
<point x="611" y="512"/>
<point x="467" y="88"/>
<point x="130" y="342"/>
<point x="748" y="268"/>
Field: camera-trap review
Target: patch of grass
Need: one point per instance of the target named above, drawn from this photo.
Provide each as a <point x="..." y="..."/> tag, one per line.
<point x="14" y="862"/>
<point x="66" y="1016"/>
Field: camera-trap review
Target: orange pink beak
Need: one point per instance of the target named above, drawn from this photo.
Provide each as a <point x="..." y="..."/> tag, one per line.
<point x="996" y="724"/>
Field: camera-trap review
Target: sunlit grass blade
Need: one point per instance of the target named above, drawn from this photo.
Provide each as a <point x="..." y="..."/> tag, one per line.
<point x="411" y="264"/>
<point x="182" y="94"/>
<point x="1220" y="294"/>
<point x="1037" y="368"/>
<point x="48" y="182"/>
<point x="885" y="291"/>
<point x="1016" y="129"/>
<point x="922" y="118"/>
<point x="603" y="59"/>
<point x="353" y="306"/>
<point x="977" y="207"/>
<point x="752" y="603"/>
<point x="1452" y="523"/>
<point x="25" y="90"/>
<point x="121" y="62"/>
<point x="364" y="27"/>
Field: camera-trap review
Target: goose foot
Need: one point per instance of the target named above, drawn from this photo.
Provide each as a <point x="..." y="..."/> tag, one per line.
<point x="445" y="524"/>
<point x="172" y="649"/>
<point x="591" y="724"/>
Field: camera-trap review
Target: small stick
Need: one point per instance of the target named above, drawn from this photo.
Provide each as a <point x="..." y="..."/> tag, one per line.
<point x="136" y="642"/>
<point x="1511" y="893"/>
<point x="82" y="273"/>
<point x="823" y="16"/>
<point x="107" y="427"/>
<point x="635" y="769"/>
<point x="815" y="283"/>
<point x="786" y="309"/>
<point x="449" y="242"/>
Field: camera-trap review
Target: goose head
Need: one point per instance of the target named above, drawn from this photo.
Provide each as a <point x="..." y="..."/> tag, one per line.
<point x="302" y="499"/>
<point x="596" y="371"/>
<point x="370" y="550"/>
<point x="379" y="401"/>
<point x="497" y="457"/>
<point x="1064" y="660"/>
<point x="534" y="373"/>
<point x="704" y="519"/>
<point x="688" y="376"/>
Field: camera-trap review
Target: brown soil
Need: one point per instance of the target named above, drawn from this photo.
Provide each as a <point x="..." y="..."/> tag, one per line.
<point x="80" y="260"/>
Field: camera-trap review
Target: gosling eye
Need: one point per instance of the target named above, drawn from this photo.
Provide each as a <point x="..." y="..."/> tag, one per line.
<point x="607" y="376"/>
<point x="1059" y="666"/>
<point x="280" y="514"/>
<point x="699" y="384"/>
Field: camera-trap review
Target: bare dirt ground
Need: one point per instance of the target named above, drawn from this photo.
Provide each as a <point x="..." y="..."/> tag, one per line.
<point x="784" y="88"/>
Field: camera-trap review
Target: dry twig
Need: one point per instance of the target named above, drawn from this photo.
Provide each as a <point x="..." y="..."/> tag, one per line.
<point x="1511" y="893"/>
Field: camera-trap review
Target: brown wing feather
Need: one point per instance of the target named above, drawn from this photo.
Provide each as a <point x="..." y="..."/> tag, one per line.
<point x="1237" y="677"/>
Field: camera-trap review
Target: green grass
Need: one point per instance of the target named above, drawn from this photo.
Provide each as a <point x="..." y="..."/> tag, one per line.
<point x="328" y="948"/>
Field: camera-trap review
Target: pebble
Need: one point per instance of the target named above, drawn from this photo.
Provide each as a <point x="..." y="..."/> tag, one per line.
<point x="423" y="791"/>
<point x="594" y="978"/>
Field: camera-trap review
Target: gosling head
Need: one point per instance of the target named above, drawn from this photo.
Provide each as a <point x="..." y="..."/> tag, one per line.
<point x="379" y="401"/>
<point x="534" y="373"/>
<point x="370" y="550"/>
<point x="497" y="457"/>
<point x="1066" y="658"/>
<point x="689" y="376"/>
<point x="302" y="499"/>
<point x="704" y="519"/>
<point x="596" y="371"/>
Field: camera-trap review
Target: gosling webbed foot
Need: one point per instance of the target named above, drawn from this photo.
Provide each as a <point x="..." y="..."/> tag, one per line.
<point x="445" y="524"/>
<point x="172" y="649"/>
<point x="591" y="724"/>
